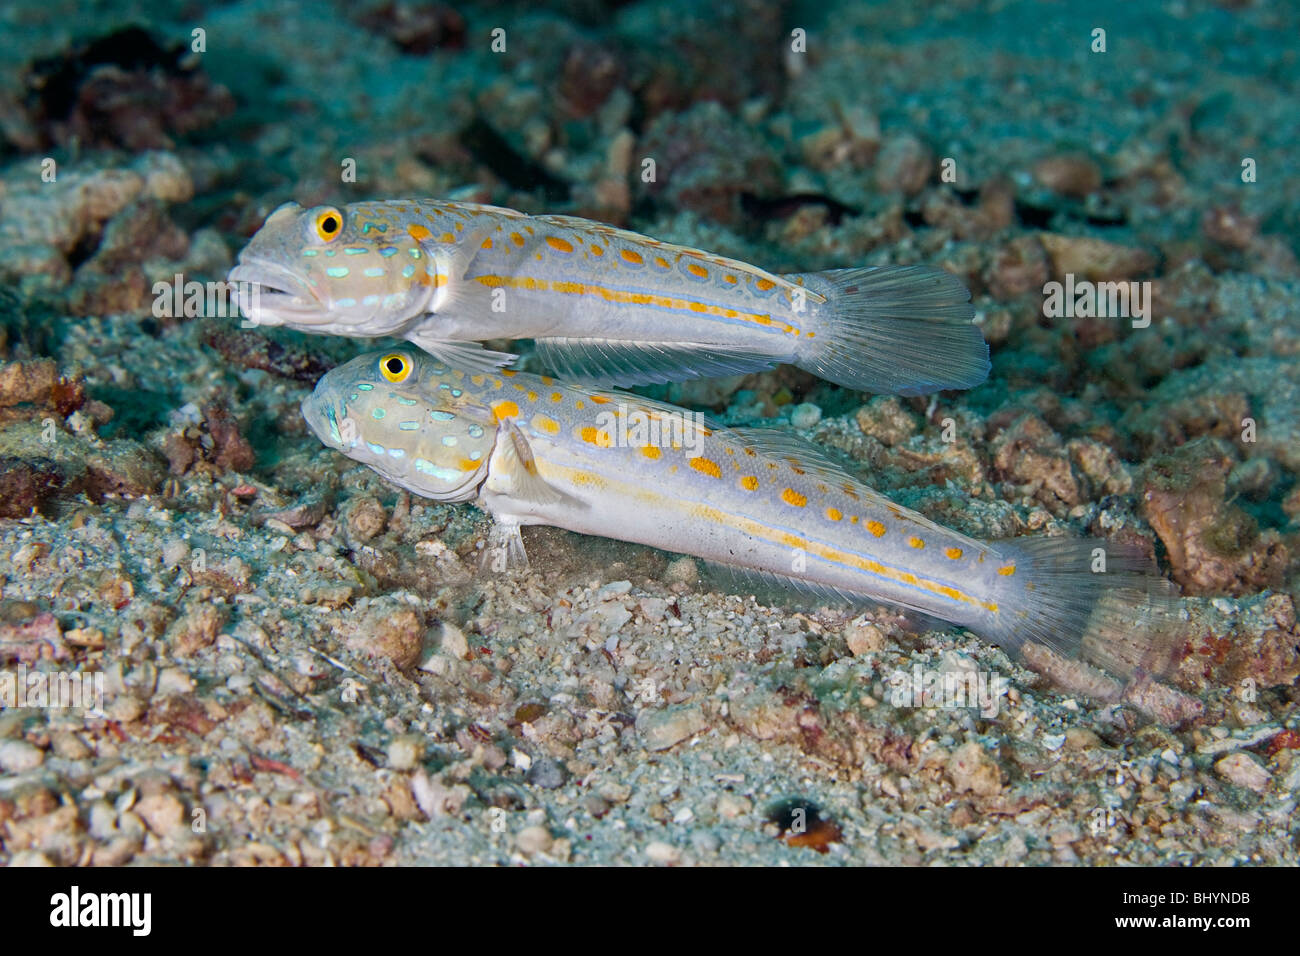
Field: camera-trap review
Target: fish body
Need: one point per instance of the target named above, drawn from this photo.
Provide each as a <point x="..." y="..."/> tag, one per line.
<point x="602" y="304"/>
<point x="530" y="450"/>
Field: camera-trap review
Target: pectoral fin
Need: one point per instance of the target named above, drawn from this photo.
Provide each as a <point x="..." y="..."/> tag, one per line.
<point x="505" y="549"/>
<point x="513" y="474"/>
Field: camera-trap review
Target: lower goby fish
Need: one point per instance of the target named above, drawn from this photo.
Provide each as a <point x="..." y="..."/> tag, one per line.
<point x="766" y="504"/>
<point x="602" y="304"/>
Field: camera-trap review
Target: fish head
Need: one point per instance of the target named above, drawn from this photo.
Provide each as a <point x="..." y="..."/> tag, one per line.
<point x="407" y="416"/>
<point x="333" y="270"/>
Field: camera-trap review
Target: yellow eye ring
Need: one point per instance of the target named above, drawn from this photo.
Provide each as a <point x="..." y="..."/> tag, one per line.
<point x="329" y="223"/>
<point x="395" y="367"/>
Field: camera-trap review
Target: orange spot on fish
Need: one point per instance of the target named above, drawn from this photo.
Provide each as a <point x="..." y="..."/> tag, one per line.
<point x="559" y="245"/>
<point x="1007" y="570"/>
<point x="953" y="553"/>
<point x="749" y="483"/>
<point x="765" y="284"/>
<point x="505" y="409"/>
<point x="632" y="257"/>
<point x="596" y="250"/>
<point x="418" y="232"/>
<point x="517" y="239"/>
<point x="696" y="269"/>
<point x="792" y="497"/>
<point x="651" y="452"/>
<point x="876" y="528"/>
<point x="706" y="466"/>
<point x="915" y="542"/>
<point x="595" y="436"/>
<point x="834" y="514"/>
<point x="545" y="424"/>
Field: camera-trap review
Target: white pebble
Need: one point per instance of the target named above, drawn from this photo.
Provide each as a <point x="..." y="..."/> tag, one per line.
<point x="806" y="415"/>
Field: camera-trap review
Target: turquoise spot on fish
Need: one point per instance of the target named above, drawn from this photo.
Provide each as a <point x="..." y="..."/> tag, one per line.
<point x="415" y="253"/>
<point x="475" y="455"/>
<point x="442" y="416"/>
<point x="388" y="251"/>
<point x="408" y="272"/>
<point x="331" y="253"/>
<point x="374" y="272"/>
<point x="378" y="413"/>
<point x="345" y="303"/>
<point x="396" y="453"/>
<point x="426" y="467"/>
<point x="475" y="431"/>
<point x="377" y="448"/>
<point x="337" y="272"/>
<point x="455" y="393"/>
<point x="370" y="300"/>
<point x="365" y="387"/>
<point x="405" y="401"/>
<point x="408" y="426"/>
<point x="355" y="250"/>
<point x="449" y="441"/>
<point x="309" y="252"/>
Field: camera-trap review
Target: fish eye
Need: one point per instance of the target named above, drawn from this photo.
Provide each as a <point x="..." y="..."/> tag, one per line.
<point x="329" y="223"/>
<point x="395" y="367"/>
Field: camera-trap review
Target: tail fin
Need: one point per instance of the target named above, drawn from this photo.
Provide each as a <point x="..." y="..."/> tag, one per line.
<point x="1090" y="600"/>
<point x="903" y="330"/>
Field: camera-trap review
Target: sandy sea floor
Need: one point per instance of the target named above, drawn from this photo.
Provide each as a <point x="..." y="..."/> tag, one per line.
<point x="302" y="665"/>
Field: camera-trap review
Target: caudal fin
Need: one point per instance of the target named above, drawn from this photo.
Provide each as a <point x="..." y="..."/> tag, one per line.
<point x="1090" y="600"/>
<point x="902" y="330"/>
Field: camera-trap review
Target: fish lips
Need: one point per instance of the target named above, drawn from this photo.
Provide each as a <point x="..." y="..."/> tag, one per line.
<point x="269" y="294"/>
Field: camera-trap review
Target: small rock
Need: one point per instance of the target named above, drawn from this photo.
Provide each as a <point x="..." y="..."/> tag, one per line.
<point x="367" y="518"/>
<point x="533" y="840"/>
<point x="903" y="165"/>
<point x="682" y="571"/>
<point x="971" y="769"/>
<point x="1243" y="770"/>
<point x="161" y="812"/>
<point x="18" y="756"/>
<point x="864" y="639"/>
<point x="1081" y="738"/>
<point x="453" y="641"/>
<point x="661" y="729"/>
<point x="663" y="853"/>
<point x="730" y="806"/>
<point x="405" y="752"/>
<point x="547" y="773"/>
<point x="805" y="415"/>
<point x="1069" y="174"/>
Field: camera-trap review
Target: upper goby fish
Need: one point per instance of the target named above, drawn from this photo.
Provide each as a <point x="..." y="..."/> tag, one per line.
<point x="532" y="451"/>
<point x="603" y="304"/>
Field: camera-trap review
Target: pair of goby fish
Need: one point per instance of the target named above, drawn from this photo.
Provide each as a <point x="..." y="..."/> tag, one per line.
<point x="607" y="307"/>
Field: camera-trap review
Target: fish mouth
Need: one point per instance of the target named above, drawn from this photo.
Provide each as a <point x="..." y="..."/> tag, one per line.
<point x="270" y="294"/>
